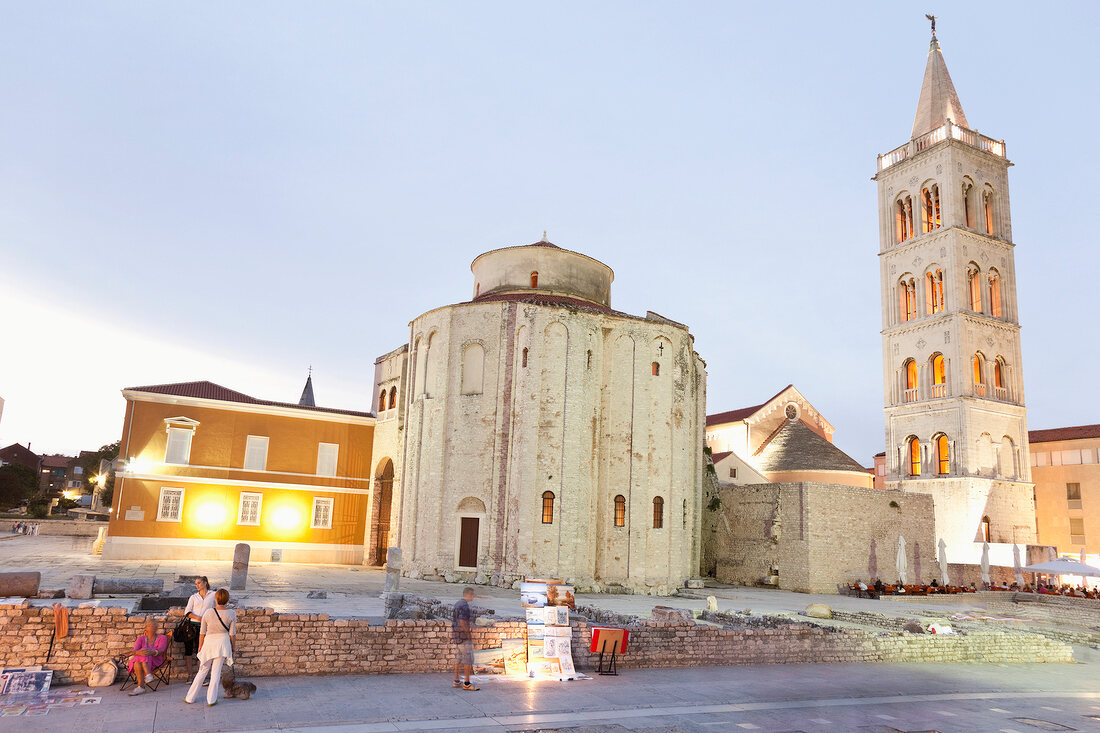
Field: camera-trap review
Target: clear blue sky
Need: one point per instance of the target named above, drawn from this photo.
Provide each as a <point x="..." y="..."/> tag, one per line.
<point x="236" y="191"/>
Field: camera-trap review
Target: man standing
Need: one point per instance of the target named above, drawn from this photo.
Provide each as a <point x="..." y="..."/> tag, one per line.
<point x="462" y="636"/>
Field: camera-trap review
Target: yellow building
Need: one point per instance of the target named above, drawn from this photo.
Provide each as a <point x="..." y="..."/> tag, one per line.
<point x="1065" y="466"/>
<point x="206" y="467"/>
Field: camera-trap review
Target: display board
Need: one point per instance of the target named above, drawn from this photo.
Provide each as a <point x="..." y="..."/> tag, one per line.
<point x="549" y="636"/>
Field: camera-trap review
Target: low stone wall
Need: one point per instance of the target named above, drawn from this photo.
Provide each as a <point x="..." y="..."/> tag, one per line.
<point x="67" y="527"/>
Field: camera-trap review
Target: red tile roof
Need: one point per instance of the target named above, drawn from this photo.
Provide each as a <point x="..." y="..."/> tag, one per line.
<point x="56" y="461"/>
<point x="719" y="456"/>
<point x="209" y="391"/>
<point x="735" y="415"/>
<point x="1073" y="433"/>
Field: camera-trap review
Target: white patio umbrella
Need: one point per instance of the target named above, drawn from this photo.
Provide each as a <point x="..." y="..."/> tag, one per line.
<point x="1016" y="564"/>
<point x="943" y="563"/>
<point x="903" y="565"/>
<point x="985" y="563"/>
<point x="1064" y="566"/>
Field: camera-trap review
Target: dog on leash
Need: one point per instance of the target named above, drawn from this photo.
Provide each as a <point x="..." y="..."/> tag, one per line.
<point x="233" y="688"/>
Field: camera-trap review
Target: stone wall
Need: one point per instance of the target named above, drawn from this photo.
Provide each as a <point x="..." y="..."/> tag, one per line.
<point x="273" y="644"/>
<point x="67" y="527"/>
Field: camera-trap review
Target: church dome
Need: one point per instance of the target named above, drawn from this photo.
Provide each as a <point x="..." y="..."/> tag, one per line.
<point x="542" y="268"/>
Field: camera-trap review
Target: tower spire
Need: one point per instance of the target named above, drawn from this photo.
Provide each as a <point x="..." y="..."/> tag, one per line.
<point x="938" y="100"/>
<point x="307" y="393"/>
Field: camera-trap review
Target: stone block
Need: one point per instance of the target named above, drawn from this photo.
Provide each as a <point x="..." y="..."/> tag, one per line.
<point x="81" y="586"/>
<point x="127" y="586"/>
<point x="818" y="610"/>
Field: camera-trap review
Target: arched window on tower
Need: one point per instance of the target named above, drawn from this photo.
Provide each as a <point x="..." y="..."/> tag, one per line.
<point x="999" y="389"/>
<point x="903" y="215"/>
<point x="620" y="511"/>
<point x="658" y="513"/>
<point x="913" y="448"/>
<point x="655" y="367"/>
<point x="939" y="376"/>
<point x="968" y="204"/>
<point x="534" y="279"/>
<point x="907" y="292"/>
<point x="994" y="293"/>
<point x="930" y="208"/>
<point x="974" y="287"/>
<point x="978" y="363"/>
<point x="933" y="292"/>
<point x="548" y="507"/>
<point x="987" y="207"/>
<point x="393" y="397"/>
<point x="911" y="390"/>
<point x="943" y="455"/>
<point x="382" y="400"/>
<point x="986" y="531"/>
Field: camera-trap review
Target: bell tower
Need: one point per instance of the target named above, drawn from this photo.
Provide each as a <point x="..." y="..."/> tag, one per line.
<point x="956" y="425"/>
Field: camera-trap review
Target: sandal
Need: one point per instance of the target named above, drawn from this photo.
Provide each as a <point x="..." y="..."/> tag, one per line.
<point x="470" y="686"/>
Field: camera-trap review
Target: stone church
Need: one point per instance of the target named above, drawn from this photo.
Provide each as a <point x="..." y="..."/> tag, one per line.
<point x="535" y="431"/>
<point x="956" y="425"/>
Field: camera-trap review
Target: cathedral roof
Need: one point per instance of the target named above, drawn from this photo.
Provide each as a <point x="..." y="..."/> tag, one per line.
<point x="722" y="418"/>
<point x="938" y="100"/>
<point x="796" y="447"/>
<point x="205" y="390"/>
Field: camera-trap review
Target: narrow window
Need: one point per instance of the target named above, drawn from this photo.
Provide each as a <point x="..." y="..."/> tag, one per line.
<point x="904" y="218"/>
<point x="987" y="533"/>
<point x="914" y="457"/>
<point x="248" y="512"/>
<point x="933" y="292"/>
<point x="321" y="518"/>
<point x="685" y="513"/>
<point x="911" y="381"/>
<point x="988" y="205"/>
<point x="939" y="376"/>
<point x="978" y="363"/>
<point x="523" y="361"/>
<point x="942" y="455"/>
<point x="382" y="400"/>
<point x="658" y="513"/>
<point x="393" y="397"/>
<point x="178" y="450"/>
<point x="170" y="506"/>
<point x="995" y="294"/>
<point x="548" y="507"/>
<point x="930" y="208"/>
<point x="534" y="279"/>
<point x="733" y="473"/>
<point x="656" y="368"/>
<point x="255" y="453"/>
<point x="326" y="458"/>
<point x="907" y="289"/>
<point x="588" y="362"/>
<point x="968" y="214"/>
<point x="974" y="282"/>
<point x="998" y="375"/>
<point x="620" y="511"/>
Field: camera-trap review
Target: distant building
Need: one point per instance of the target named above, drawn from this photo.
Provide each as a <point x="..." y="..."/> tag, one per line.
<point x="205" y="467"/>
<point x="54" y="475"/>
<point x="782" y="440"/>
<point x="20" y="455"/>
<point x="1065" y="466"/>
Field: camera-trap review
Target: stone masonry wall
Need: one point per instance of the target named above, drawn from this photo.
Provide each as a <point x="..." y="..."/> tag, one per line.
<point x="271" y="644"/>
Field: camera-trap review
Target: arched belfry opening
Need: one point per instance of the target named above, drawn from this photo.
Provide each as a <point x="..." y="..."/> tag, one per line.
<point x="381" y="505"/>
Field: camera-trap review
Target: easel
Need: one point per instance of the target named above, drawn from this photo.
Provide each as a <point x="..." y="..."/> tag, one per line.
<point x="610" y="668"/>
<point x="604" y="638"/>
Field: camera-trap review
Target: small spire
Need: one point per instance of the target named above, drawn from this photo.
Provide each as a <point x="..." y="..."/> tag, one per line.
<point x="938" y="101"/>
<point x="544" y="239"/>
<point x="307" y="393"/>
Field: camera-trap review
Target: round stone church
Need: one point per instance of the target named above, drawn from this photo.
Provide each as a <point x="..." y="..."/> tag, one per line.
<point x="540" y="433"/>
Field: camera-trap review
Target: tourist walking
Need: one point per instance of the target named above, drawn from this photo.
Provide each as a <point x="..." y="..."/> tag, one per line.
<point x="216" y="634"/>
<point x="462" y="637"/>
<point x="201" y="601"/>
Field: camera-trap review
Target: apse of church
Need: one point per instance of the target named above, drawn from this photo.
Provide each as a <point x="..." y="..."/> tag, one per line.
<point x="545" y="434"/>
<point x="956" y="425"/>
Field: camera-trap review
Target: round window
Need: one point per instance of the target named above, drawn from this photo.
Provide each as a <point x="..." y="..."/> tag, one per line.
<point x="792" y="411"/>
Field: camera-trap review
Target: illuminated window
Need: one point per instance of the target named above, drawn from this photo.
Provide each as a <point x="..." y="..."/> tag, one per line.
<point x="656" y="368"/>
<point x="939" y="376"/>
<point x="620" y="510"/>
<point x="248" y="512"/>
<point x="907" y="291"/>
<point x="393" y="397"/>
<point x="995" y="294"/>
<point x="326" y="458"/>
<point x="914" y="457"/>
<point x="903" y="215"/>
<point x="170" y="506"/>
<point x="658" y="513"/>
<point x="986" y="530"/>
<point x="978" y="363"/>
<point x="321" y="517"/>
<point x="534" y="279"/>
<point x="382" y="400"/>
<point x="911" y="381"/>
<point x="998" y="375"/>
<point x="973" y="275"/>
<point x="987" y="201"/>
<point x="255" y="453"/>
<point x="933" y="292"/>
<point x="943" y="458"/>
<point x="178" y="449"/>
<point x="930" y="208"/>
<point x="548" y="507"/>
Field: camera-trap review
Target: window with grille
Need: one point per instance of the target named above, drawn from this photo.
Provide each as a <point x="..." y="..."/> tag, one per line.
<point x="658" y="513"/>
<point x="620" y="511"/>
<point x="255" y="453"/>
<point x="322" y="513"/>
<point x="170" y="507"/>
<point x="548" y="507"/>
<point x="249" y="510"/>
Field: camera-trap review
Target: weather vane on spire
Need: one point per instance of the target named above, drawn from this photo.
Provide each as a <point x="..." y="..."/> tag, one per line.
<point x="933" y="19"/>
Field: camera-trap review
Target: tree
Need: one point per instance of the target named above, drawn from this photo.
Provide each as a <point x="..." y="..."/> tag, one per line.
<point x="104" y="485"/>
<point x="38" y="506"/>
<point x="17" y="482"/>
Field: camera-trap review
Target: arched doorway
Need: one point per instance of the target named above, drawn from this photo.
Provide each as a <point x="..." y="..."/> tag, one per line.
<point x="380" y="514"/>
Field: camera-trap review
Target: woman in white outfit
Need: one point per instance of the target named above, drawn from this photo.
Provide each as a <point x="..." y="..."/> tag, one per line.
<point x="198" y="604"/>
<point x="219" y="628"/>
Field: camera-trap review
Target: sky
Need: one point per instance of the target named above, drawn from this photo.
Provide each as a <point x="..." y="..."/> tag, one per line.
<point x="238" y="192"/>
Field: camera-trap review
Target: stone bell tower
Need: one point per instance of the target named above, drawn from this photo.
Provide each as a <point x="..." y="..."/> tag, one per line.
<point x="956" y="425"/>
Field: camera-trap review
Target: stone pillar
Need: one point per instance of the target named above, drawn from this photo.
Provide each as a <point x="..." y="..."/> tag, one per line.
<point x="80" y="587"/>
<point x="240" y="566"/>
<point x="20" y="585"/>
<point x="125" y="586"/>
<point x="393" y="569"/>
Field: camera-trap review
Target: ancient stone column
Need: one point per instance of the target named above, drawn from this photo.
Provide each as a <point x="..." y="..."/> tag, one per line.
<point x="19" y="585"/>
<point x="393" y="569"/>
<point x="126" y="586"/>
<point x="240" y="566"/>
